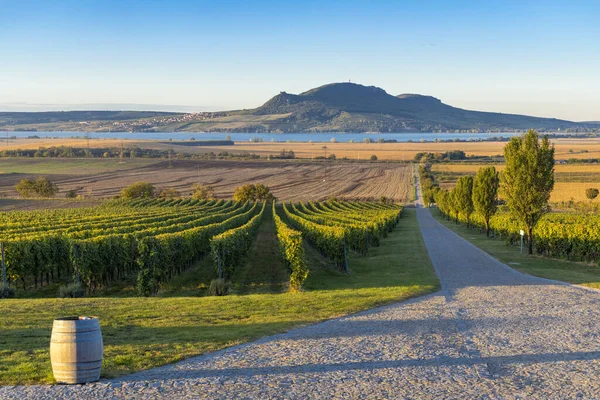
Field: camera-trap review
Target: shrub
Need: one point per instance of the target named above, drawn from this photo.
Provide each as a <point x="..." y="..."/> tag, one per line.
<point x="169" y="194"/>
<point x="331" y="156"/>
<point x="71" y="194"/>
<point x="219" y="287"/>
<point x="202" y="192"/>
<point x="138" y="190"/>
<point x="591" y="193"/>
<point x="146" y="284"/>
<point x="373" y="157"/>
<point x="72" y="291"/>
<point x="6" y="292"/>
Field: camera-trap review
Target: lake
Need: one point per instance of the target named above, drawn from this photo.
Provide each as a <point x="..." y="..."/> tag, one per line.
<point x="266" y="137"/>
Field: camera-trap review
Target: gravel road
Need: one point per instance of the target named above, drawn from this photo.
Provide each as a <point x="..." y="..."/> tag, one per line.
<point x="491" y="332"/>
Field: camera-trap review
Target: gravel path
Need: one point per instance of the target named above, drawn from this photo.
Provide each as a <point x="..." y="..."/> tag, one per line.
<point x="490" y="333"/>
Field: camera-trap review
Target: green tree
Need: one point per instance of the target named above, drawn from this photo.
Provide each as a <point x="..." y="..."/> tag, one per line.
<point x="45" y="187"/>
<point x="528" y="179"/>
<point x="202" y="192"/>
<point x="452" y="202"/>
<point x="485" y="194"/>
<point x="251" y="192"/>
<point x="41" y="187"/>
<point x="26" y="188"/>
<point x="464" y="197"/>
<point x="138" y="190"/>
<point x="442" y="201"/>
<point x="591" y="193"/>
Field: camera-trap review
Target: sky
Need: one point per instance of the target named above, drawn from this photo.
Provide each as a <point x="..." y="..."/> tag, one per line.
<point x="538" y="58"/>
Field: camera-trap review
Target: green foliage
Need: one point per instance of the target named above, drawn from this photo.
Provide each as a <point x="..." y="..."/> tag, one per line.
<point x="71" y="194"/>
<point x="528" y="179"/>
<point x="426" y="157"/>
<point x="485" y="194"/>
<point x="463" y="195"/>
<point x="251" y="192"/>
<point x="138" y="190"/>
<point x="107" y="243"/>
<point x="591" y="193"/>
<point x="146" y="283"/>
<point x="228" y="247"/>
<point x="219" y="287"/>
<point x="332" y="226"/>
<point x="71" y="291"/>
<point x="428" y="185"/>
<point x="202" y="192"/>
<point x="7" y="292"/>
<point x="41" y="187"/>
<point x="26" y="188"/>
<point x="373" y="158"/>
<point x="292" y="250"/>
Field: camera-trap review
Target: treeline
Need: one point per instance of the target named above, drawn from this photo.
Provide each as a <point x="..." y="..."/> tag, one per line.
<point x="527" y="181"/>
<point x="117" y="152"/>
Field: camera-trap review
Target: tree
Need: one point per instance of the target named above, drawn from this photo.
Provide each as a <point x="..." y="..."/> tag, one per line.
<point x="250" y="192"/>
<point x="26" y="188"/>
<point x="591" y="193"/>
<point x="138" y="190"/>
<point x="41" y="187"/>
<point x="452" y="202"/>
<point x="201" y="192"/>
<point x="485" y="194"/>
<point x="373" y="157"/>
<point x="442" y="200"/>
<point x="464" y="197"/>
<point x="528" y="179"/>
<point x="45" y="187"/>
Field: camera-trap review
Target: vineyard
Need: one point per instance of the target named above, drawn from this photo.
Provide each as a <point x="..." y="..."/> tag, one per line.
<point x="154" y="240"/>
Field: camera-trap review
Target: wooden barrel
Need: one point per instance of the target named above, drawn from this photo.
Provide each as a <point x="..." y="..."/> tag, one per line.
<point x="76" y="349"/>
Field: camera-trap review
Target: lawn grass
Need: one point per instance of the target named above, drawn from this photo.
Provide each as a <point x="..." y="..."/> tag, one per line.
<point x="141" y="333"/>
<point x="561" y="270"/>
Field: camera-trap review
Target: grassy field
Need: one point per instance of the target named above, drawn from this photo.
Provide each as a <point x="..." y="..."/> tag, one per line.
<point x="571" y="180"/>
<point x="141" y="333"/>
<point x="69" y="166"/>
<point x="561" y="270"/>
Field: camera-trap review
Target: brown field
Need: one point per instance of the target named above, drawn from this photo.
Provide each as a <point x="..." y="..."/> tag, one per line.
<point x="565" y="148"/>
<point x="571" y="180"/>
<point x="288" y="180"/>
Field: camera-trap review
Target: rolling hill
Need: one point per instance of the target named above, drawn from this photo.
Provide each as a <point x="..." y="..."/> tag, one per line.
<point x="337" y="107"/>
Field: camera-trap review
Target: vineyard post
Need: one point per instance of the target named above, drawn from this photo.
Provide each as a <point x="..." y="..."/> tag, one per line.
<point x="522" y="234"/>
<point x="345" y="259"/>
<point x="4" y="280"/>
<point x="77" y="279"/>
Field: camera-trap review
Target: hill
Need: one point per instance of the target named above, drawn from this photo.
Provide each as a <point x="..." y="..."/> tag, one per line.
<point x="353" y="107"/>
<point x="336" y="107"/>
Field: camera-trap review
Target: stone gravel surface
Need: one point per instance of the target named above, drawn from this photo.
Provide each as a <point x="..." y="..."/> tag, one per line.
<point x="490" y="333"/>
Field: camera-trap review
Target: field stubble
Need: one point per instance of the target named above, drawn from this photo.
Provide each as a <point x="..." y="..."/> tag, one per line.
<point x="291" y="180"/>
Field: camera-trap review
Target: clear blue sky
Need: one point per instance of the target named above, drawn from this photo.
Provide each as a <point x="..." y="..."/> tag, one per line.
<point x="531" y="57"/>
